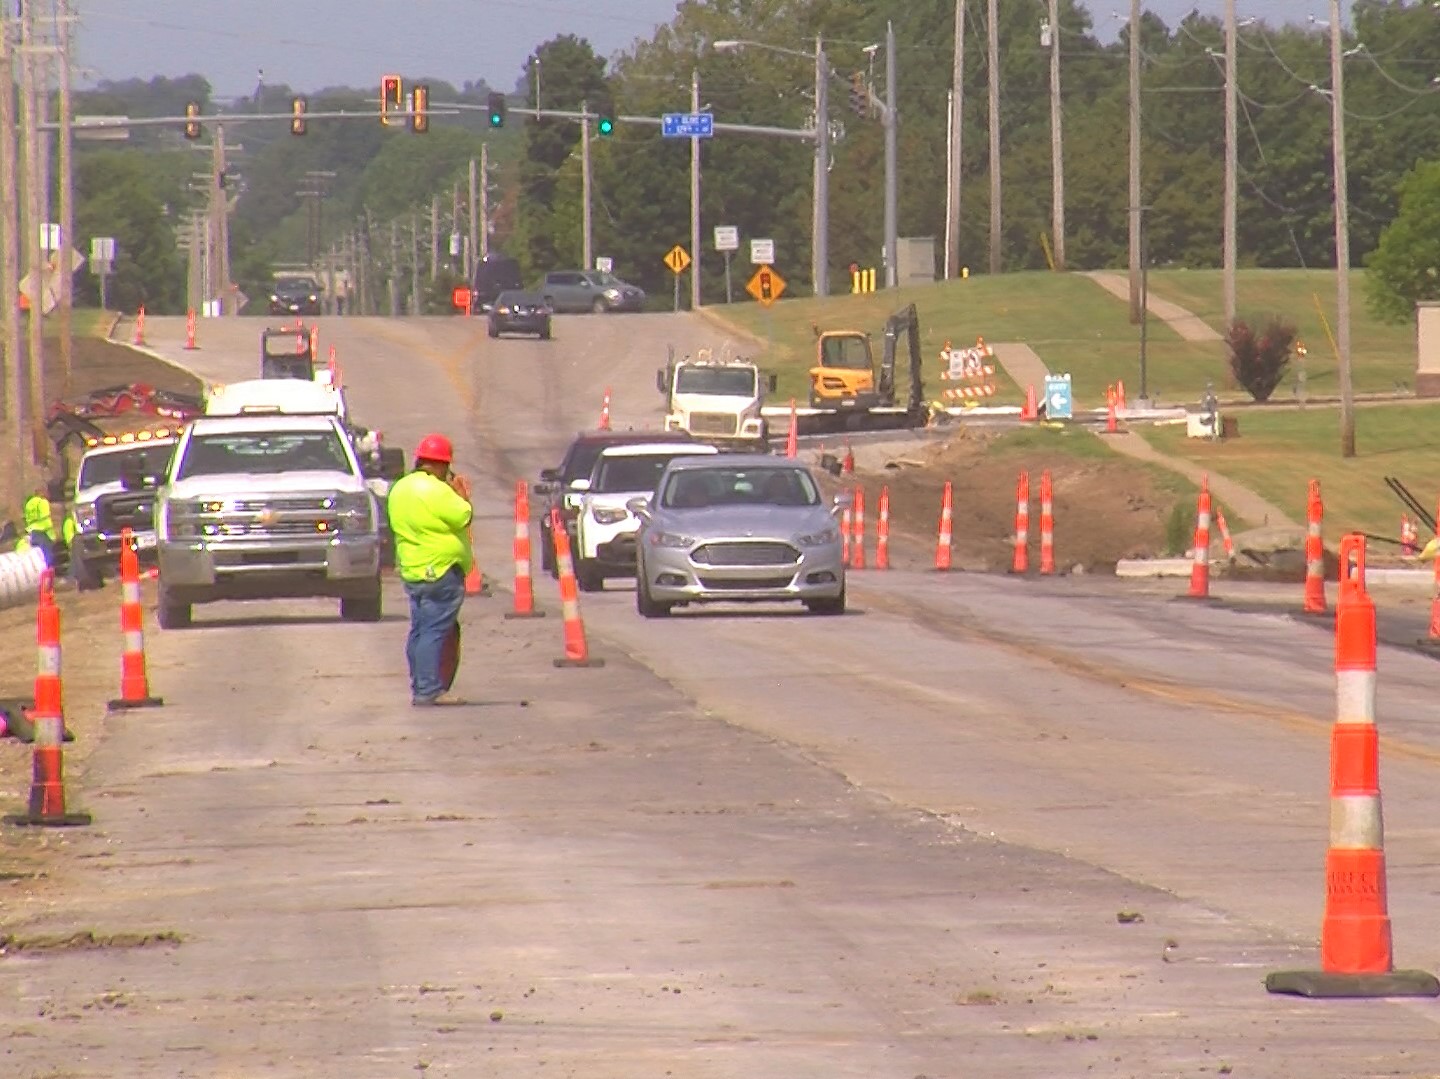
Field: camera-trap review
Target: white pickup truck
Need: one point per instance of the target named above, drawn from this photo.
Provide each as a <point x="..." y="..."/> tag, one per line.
<point x="267" y="507"/>
<point x="718" y="401"/>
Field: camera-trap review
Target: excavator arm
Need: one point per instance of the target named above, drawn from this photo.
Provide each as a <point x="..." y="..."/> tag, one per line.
<point x="904" y="323"/>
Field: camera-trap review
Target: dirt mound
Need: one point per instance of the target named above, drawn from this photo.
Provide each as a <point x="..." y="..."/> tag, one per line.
<point x="1107" y="508"/>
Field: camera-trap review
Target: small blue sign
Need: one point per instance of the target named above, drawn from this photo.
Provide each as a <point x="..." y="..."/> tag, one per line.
<point x="687" y="125"/>
<point x="1059" y="403"/>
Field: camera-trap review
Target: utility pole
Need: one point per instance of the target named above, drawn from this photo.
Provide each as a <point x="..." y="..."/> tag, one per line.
<point x="587" y="252"/>
<point x="484" y="200"/>
<point x="65" y="165"/>
<point x="415" y="308"/>
<point x="1342" y="233"/>
<point x="993" y="17"/>
<point x="820" y="241"/>
<point x="1231" y="168"/>
<point x="455" y="229"/>
<point x="473" y="251"/>
<point x="14" y="379"/>
<point x="434" y="237"/>
<point x="694" y="196"/>
<point x="1057" y="142"/>
<point x="957" y="113"/>
<point x="194" y="283"/>
<point x="394" y="277"/>
<point x="220" y="251"/>
<point x="892" y="157"/>
<point x="30" y="95"/>
<point x="1135" y="161"/>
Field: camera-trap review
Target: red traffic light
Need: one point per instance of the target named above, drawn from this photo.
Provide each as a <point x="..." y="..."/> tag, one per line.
<point x="391" y="97"/>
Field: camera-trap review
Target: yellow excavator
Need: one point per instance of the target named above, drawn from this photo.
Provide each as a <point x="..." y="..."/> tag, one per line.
<point x="844" y="371"/>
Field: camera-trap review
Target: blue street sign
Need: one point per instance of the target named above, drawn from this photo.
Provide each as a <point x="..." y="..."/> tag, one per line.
<point x="687" y="125"/>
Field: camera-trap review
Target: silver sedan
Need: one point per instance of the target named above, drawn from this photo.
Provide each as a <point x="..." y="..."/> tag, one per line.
<point x="738" y="528"/>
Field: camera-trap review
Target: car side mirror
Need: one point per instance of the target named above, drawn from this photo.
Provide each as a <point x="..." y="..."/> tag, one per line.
<point x="660" y="379"/>
<point x="550" y="475"/>
<point x="580" y="486"/>
<point x="640" y="507"/>
<point x="542" y="488"/>
<point x="843" y="501"/>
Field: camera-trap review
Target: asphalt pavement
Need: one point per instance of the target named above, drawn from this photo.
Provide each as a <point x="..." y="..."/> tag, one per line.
<point x="980" y="826"/>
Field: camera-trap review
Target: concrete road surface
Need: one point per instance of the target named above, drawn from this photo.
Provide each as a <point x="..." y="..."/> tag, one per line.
<point x="979" y="827"/>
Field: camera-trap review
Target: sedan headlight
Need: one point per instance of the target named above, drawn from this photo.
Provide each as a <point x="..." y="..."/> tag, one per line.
<point x="670" y="539"/>
<point x="612" y="293"/>
<point x="502" y="310"/>
<point x="606" y="516"/>
<point x="274" y="297"/>
<point x="818" y="539"/>
<point x="313" y="297"/>
<point x="85" y="517"/>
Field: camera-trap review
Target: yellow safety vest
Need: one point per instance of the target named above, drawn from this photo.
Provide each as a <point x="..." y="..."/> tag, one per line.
<point x="38" y="517"/>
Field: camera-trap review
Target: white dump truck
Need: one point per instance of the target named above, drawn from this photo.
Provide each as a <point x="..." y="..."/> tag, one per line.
<point x="716" y="400"/>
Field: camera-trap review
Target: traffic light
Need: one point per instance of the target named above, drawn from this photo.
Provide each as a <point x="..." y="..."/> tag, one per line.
<point x="391" y="97"/>
<point x="859" y="98"/>
<point x="497" y="110"/>
<point x="605" y="124"/>
<point x="419" y="103"/>
<point x="297" y="116"/>
<point x="767" y="286"/>
<point x="192" y="121"/>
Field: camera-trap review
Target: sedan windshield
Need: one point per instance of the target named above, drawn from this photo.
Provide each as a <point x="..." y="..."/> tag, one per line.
<point x="695" y="488"/>
<point x="720" y="381"/>
<point x="617" y="475"/>
<point x="264" y="452"/>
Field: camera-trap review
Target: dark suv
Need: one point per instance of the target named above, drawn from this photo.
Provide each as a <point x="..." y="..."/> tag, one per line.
<point x="295" y="296"/>
<point x="520" y="312"/>
<point x="579" y="461"/>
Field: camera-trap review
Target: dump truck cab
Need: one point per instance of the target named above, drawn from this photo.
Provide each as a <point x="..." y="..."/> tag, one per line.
<point x="287" y="352"/>
<point x="844" y="371"/>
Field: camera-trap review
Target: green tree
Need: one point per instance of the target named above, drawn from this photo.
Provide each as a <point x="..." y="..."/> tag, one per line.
<point x="1405" y="267"/>
<point x="133" y="196"/>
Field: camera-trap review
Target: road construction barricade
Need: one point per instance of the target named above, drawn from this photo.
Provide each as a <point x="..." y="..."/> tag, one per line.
<point x="20" y="573"/>
<point x="973" y="371"/>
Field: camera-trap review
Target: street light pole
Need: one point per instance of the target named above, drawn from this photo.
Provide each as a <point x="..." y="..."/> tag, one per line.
<point x="1342" y="233"/>
<point x="694" y="196"/>
<point x="820" y="242"/>
<point x="892" y="194"/>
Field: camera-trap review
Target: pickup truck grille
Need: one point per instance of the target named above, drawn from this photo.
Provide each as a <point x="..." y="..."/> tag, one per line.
<point x="746" y="553"/>
<point x="308" y="503"/>
<point x="712" y="423"/>
<point x="273" y="518"/>
<point x="133" y="511"/>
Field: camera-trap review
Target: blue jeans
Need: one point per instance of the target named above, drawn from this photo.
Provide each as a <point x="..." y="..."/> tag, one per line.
<point x="434" y="607"/>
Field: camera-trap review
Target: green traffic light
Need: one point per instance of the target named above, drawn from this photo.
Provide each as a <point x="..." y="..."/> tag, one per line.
<point x="495" y="119"/>
<point x="606" y="125"/>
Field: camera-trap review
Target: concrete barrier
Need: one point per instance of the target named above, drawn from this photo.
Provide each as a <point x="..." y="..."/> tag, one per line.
<point x="20" y="576"/>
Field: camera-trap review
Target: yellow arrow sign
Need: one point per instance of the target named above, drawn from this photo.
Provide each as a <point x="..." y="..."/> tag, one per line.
<point x="766" y="286"/>
<point x="677" y="258"/>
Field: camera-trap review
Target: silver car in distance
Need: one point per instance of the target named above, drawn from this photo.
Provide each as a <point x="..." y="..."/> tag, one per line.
<point x="738" y="528"/>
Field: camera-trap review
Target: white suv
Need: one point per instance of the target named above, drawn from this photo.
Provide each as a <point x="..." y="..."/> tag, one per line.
<point x="605" y="529"/>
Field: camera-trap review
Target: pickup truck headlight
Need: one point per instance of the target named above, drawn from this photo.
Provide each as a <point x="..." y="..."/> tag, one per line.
<point x="605" y="516"/>
<point x="353" y="512"/>
<point x="85" y="517"/>
<point x="181" y="517"/>
<point x="670" y="539"/>
<point x="818" y="539"/>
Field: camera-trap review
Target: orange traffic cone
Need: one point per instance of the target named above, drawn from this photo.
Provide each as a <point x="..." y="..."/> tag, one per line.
<point x="943" y="535"/>
<point x="524" y="582"/>
<point x="1225" y="534"/>
<point x="882" y="531"/>
<point x="47" y="784"/>
<point x="1111" y="427"/>
<point x="1355" y="943"/>
<point x="792" y="437"/>
<point x="314" y="343"/>
<point x="846" y="527"/>
<point x="1047" y="525"/>
<point x="190" y="330"/>
<point x="577" y="649"/>
<point x="1200" y="569"/>
<point x="857" y="537"/>
<point x="1433" y="638"/>
<point x="847" y="464"/>
<point x="1120" y="395"/>
<point x="1032" y="410"/>
<point x="134" y="680"/>
<point x="140" y="325"/>
<point x="605" y="411"/>
<point x="1022" y="525"/>
<point x="1314" y="552"/>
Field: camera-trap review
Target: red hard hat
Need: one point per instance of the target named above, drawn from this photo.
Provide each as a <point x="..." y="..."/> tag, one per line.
<point x="435" y="448"/>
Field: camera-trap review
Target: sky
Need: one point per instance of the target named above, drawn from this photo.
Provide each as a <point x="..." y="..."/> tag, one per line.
<point x="310" y="44"/>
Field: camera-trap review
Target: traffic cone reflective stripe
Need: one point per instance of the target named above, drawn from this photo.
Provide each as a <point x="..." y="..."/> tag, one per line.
<point x="1356" y="953"/>
<point x="943" y="537"/>
<point x="577" y="648"/>
<point x="46" y="806"/>
<point x="846" y="518"/>
<point x="1022" y="525"/>
<point x="1047" y="525"/>
<point x="857" y="538"/>
<point x="1111" y="427"/>
<point x="524" y="581"/>
<point x="134" y="679"/>
<point x="1200" y="568"/>
<point x="605" y="411"/>
<point x="792" y="437"/>
<point x="882" y="531"/>
<point x="1314" y="552"/>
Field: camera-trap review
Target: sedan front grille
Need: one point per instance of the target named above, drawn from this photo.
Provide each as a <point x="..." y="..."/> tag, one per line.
<point x="743" y="584"/>
<point x="713" y="423"/>
<point x="746" y="553"/>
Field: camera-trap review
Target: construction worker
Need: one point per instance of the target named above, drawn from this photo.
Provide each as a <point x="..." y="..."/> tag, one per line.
<point x="430" y="516"/>
<point x="40" y="523"/>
